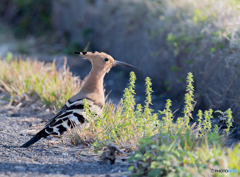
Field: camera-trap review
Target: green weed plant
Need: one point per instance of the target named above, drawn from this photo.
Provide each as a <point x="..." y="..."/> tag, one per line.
<point x="163" y="148"/>
<point x="182" y="149"/>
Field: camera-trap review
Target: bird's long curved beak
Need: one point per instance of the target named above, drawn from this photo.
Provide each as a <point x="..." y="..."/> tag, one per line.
<point x="124" y="64"/>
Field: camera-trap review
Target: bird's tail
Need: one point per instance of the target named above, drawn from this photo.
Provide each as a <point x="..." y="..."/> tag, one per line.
<point x="36" y="138"/>
<point x="31" y="141"/>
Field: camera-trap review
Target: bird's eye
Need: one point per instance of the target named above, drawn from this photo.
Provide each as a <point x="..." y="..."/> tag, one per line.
<point x="106" y="59"/>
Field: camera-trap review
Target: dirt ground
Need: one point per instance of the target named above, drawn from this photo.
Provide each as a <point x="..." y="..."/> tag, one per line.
<point x="48" y="157"/>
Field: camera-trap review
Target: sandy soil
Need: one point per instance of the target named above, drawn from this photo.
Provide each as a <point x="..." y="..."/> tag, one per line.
<point x="48" y="157"/>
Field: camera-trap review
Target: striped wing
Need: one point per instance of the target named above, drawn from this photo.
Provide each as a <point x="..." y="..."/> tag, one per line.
<point x="71" y="114"/>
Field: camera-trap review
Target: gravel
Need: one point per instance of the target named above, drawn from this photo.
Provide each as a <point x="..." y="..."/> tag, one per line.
<point x="49" y="157"/>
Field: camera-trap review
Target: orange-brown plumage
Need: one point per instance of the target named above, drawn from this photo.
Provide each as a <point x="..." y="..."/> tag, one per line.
<point x="101" y="64"/>
<point x="92" y="90"/>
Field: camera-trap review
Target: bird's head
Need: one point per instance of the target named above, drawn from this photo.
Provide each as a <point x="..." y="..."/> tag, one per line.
<point x="103" y="61"/>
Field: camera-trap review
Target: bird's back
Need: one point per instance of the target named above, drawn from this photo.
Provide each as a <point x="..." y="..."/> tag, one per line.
<point x="70" y="115"/>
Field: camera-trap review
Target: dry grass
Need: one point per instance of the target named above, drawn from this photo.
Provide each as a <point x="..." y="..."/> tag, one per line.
<point x="124" y="124"/>
<point x="53" y="86"/>
<point x="161" y="146"/>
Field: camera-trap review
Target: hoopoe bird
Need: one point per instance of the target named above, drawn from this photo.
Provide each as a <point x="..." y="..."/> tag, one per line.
<point x="72" y="113"/>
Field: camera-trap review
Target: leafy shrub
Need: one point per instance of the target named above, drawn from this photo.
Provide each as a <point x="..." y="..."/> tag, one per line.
<point x="125" y="124"/>
<point x="163" y="148"/>
<point x="183" y="150"/>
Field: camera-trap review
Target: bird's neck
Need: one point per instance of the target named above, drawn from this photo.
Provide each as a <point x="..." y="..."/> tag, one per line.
<point x="94" y="82"/>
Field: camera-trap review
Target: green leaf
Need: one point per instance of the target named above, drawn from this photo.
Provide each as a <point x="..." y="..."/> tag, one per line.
<point x="175" y="68"/>
<point x="9" y="57"/>
<point x="211" y="49"/>
<point x="131" y="168"/>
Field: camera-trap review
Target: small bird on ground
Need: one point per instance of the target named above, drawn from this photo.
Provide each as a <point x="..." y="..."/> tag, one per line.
<point x="73" y="112"/>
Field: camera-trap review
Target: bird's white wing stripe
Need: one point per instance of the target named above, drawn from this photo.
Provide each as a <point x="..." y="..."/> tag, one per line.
<point x="74" y="119"/>
<point x="57" y="119"/>
<point x="57" y="115"/>
<point x="47" y="131"/>
<point x="73" y="113"/>
<point x="80" y="112"/>
<point x="56" y="130"/>
<point x="76" y="102"/>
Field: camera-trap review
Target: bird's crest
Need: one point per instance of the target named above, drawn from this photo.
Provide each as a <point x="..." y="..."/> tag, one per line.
<point x="96" y="55"/>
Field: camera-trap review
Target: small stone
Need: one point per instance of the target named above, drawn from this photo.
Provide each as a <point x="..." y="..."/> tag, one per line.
<point x="65" y="154"/>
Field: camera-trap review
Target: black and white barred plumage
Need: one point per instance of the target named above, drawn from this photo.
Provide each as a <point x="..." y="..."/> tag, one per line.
<point x="71" y="114"/>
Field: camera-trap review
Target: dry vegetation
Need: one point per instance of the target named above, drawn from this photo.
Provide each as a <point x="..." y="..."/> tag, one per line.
<point x="21" y="77"/>
<point x="162" y="147"/>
